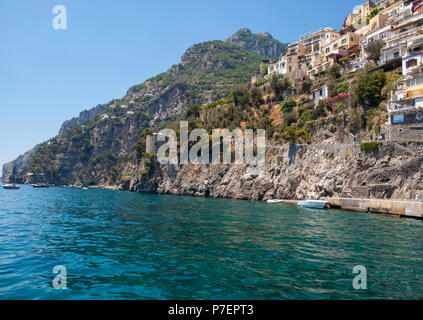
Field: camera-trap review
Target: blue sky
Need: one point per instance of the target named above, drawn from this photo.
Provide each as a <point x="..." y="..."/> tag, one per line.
<point x="48" y="76"/>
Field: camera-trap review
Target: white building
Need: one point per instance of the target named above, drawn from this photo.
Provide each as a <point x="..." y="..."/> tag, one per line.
<point x="396" y="41"/>
<point x="278" y="67"/>
<point x="318" y="94"/>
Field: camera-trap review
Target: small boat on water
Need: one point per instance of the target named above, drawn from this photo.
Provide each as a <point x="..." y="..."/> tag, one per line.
<point x="40" y="185"/>
<point x="10" y="186"/>
<point x="313" y="202"/>
<point x="274" y="201"/>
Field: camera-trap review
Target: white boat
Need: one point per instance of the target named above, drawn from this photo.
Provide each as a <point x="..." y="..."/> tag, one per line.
<point x="10" y="186"/>
<point x="314" y="204"/>
<point x="274" y="201"/>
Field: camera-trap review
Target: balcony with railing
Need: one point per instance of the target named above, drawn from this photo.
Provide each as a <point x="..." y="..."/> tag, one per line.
<point x="396" y="38"/>
<point x="397" y="95"/>
<point x="403" y="106"/>
<point x="402" y="20"/>
<point x="414" y="72"/>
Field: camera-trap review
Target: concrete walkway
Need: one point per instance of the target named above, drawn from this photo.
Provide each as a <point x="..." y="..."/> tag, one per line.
<point x="405" y="208"/>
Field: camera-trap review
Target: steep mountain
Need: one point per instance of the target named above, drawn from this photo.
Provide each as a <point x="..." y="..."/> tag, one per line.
<point x="84" y="116"/>
<point x="206" y="73"/>
<point x="262" y="43"/>
<point x="90" y="147"/>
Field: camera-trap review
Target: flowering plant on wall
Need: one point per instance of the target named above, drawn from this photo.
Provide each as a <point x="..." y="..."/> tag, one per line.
<point x="415" y="3"/>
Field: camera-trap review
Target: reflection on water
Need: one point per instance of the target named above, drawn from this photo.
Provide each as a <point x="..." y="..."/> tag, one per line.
<point x="120" y="245"/>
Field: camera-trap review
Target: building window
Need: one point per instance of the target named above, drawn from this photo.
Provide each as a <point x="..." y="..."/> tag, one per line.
<point x="327" y="50"/>
<point x="352" y="39"/>
<point x="411" y="63"/>
<point x="335" y="46"/>
<point x="344" y="41"/>
<point x="399" y="118"/>
<point x="414" y="82"/>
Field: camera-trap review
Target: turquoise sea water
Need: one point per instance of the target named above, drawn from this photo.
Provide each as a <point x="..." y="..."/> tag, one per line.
<point x="121" y="245"/>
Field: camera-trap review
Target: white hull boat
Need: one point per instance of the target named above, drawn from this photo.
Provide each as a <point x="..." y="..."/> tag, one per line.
<point x="314" y="204"/>
<point x="10" y="186"/>
<point x="274" y="201"/>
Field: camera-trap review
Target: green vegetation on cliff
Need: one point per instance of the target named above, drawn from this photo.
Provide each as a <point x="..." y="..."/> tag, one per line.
<point x="207" y="71"/>
<point x="261" y="43"/>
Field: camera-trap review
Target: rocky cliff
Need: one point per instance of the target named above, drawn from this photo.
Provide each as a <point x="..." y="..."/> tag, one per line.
<point x="11" y="169"/>
<point x="92" y="148"/>
<point x="291" y="172"/>
<point x="262" y="43"/>
<point x="84" y="116"/>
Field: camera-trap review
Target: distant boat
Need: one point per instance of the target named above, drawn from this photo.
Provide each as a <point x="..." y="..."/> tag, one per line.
<point x="10" y="186"/>
<point x="274" y="201"/>
<point x="314" y="204"/>
<point x="40" y="185"/>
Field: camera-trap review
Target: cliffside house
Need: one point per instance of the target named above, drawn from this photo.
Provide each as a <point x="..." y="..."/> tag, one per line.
<point x="347" y="44"/>
<point x="279" y="67"/>
<point x="396" y="41"/>
<point x="359" y="14"/>
<point x="317" y="94"/>
<point x="406" y="106"/>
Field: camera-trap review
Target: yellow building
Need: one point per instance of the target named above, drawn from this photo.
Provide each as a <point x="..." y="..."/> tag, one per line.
<point x="345" y="45"/>
<point x="412" y="69"/>
<point x="360" y="13"/>
<point x="377" y="22"/>
<point x="342" y="45"/>
<point x="414" y="88"/>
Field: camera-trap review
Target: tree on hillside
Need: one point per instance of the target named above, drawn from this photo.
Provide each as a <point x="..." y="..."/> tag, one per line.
<point x="368" y="91"/>
<point x="256" y="97"/>
<point x="288" y="105"/>
<point x="238" y="92"/>
<point x="193" y="111"/>
<point x="335" y="71"/>
<point x="332" y="89"/>
<point x="354" y="120"/>
<point x="289" y="118"/>
<point x="140" y="146"/>
<point x="373" y="49"/>
<point x="279" y="87"/>
<point x="305" y="86"/>
<point x="321" y="109"/>
<point x="292" y="135"/>
<point x="246" y="100"/>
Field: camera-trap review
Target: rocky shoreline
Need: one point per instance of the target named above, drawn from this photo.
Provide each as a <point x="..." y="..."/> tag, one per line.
<point x="392" y="172"/>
